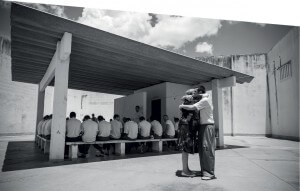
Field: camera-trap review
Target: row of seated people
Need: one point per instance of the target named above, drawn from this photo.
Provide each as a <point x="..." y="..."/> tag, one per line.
<point x="92" y="129"/>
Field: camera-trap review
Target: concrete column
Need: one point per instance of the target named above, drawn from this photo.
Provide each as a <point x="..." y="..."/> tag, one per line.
<point x="58" y="127"/>
<point x="40" y="109"/>
<point x="218" y="111"/>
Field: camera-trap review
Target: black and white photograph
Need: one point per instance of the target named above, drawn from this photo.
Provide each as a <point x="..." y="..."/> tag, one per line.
<point x="98" y="98"/>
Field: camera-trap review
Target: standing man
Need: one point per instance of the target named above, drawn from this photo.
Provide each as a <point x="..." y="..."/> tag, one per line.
<point x="206" y="135"/>
<point x="138" y="113"/>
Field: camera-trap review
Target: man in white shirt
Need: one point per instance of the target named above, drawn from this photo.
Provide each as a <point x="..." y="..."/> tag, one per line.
<point x="90" y="131"/>
<point x="116" y="127"/>
<point x="73" y="128"/>
<point x="206" y="135"/>
<point x="47" y="128"/>
<point x="104" y="129"/>
<point x="130" y="133"/>
<point x="43" y="126"/>
<point x="144" y="128"/>
<point x="138" y="113"/>
<point x="130" y="129"/>
<point x="156" y="128"/>
<point x="169" y="128"/>
<point x="73" y="131"/>
<point x="40" y="125"/>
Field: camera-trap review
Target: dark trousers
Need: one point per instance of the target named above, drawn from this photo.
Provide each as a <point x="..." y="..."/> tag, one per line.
<point x="48" y="137"/>
<point x="206" y="138"/>
<point x="71" y="139"/>
<point x="105" y="146"/>
<point x="84" y="149"/>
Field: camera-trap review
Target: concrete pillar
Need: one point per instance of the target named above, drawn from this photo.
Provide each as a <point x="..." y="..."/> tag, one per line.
<point x="58" y="127"/>
<point x="40" y="109"/>
<point x="218" y="111"/>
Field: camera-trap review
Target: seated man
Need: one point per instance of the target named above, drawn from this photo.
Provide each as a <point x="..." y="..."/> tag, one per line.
<point x="47" y="128"/>
<point x="90" y="131"/>
<point x="41" y="133"/>
<point x="104" y="129"/>
<point x="144" y="128"/>
<point x="176" y="121"/>
<point x="116" y="127"/>
<point x="73" y="130"/>
<point x="131" y="132"/>
<point x="156" y="128"/>
<point x="130" y="129"/>
<point x="40" y="125"/>
<point x="169" y="128"/>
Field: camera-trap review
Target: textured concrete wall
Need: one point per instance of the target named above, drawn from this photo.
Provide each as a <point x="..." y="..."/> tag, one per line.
<point x="18" y="101"/>
<point x="244" y="106"/>
<point x="284" y="93"/>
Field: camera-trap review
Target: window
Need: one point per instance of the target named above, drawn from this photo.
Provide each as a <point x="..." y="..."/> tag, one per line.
<point x="285" y="70"/>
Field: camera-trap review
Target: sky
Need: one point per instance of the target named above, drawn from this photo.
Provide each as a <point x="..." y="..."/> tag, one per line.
<point x="193" y="37"/>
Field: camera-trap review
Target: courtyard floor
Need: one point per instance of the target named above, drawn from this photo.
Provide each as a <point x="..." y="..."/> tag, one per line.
<point x="248" y="163"/>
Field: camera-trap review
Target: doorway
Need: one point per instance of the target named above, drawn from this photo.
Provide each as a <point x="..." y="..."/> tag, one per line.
<point x="156" y="109"/>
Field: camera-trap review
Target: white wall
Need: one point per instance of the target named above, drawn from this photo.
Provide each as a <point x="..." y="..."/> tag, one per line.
<point x="173" y="99"/>
<point x="155" y="92"/>
<point x="125" y="106"/>
<point x="284" y="94"/>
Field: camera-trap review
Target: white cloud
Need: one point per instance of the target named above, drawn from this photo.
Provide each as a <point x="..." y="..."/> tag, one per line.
<point x="53" y="9"/>
<point x="169" y="31"/>
<point x="204" y="47"/>
<point x="127" y="24"/>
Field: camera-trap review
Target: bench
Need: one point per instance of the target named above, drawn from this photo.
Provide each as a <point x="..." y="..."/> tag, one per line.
<point x="43" y="143"/>
<point x="157" y="145"/>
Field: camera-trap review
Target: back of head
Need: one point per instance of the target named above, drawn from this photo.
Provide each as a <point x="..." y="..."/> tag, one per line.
<point x="142" y="118"/>
<point x="72" y="114"/>
<point x="116" y="116"/>
<point x="201" y="90"/>
<point x="176" y="119"/>
<point x="86" y="117"/>
<point x="100" y="118"/>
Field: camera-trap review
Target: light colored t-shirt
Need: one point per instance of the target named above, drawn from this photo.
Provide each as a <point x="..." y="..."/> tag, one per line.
<point x="47" y="127"/>
<point x="206" y="111"/>
<point x="170" y="129"/>
<point x="43" y="127"/>
<point x="90" y="130"/>
<point x="104" y="129"/>
<point x="116" y="128"/>
<point x="156" y="127"/>
<point x="73" y="127"/>
<point x="144" y="128"/>
<point x="131" y="129"/>
<point x="39" y="127"/>
<point x="176" y="126"/>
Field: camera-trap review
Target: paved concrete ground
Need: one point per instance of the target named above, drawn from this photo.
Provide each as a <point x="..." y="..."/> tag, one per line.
<point x="249" y="163"/>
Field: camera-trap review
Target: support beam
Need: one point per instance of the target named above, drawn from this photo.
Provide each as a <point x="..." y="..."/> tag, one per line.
<point x="49" y="75"/>
<point x="225" y="82"/>
<point x="40" y="109"/>
<point x="58" y="126"/>
<point x="218" y="111"/>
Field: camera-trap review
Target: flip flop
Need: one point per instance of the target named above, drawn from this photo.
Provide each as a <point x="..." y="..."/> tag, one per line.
<point x="187" y="175"/>
<point x="208" y="178"/>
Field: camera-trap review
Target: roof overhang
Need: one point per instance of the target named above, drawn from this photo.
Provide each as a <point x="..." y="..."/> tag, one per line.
<point x="100" y="61"/>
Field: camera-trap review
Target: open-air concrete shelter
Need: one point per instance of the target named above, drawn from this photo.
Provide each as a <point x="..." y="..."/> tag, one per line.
<point x="49" y="50"/>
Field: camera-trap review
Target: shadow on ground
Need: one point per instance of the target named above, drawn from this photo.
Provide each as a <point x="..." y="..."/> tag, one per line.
<point x="21" y="155"/>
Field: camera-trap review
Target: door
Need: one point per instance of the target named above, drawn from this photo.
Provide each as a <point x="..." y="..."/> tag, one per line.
<point x="156" y="109"/>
